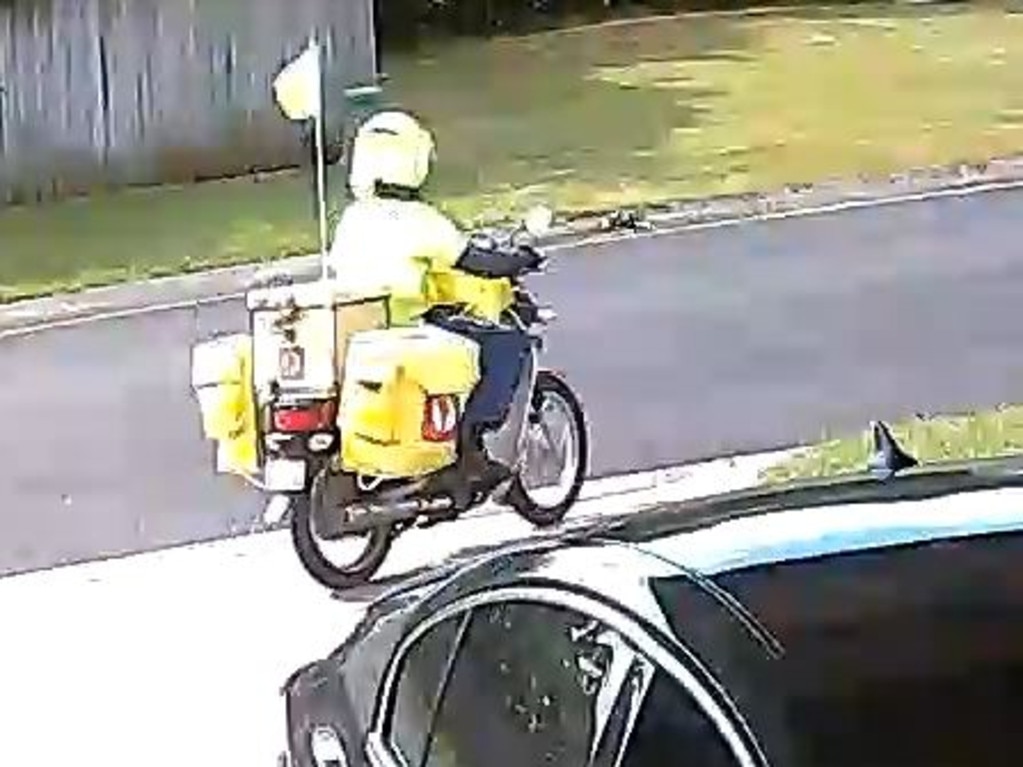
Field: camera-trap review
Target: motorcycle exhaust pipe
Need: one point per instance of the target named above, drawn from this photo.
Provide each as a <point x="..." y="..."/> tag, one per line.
<point x="371" y="516"/>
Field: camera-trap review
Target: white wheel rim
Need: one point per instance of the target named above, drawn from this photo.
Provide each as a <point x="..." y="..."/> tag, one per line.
<point x="560" y="459"/>
<point x="343" y="553"/>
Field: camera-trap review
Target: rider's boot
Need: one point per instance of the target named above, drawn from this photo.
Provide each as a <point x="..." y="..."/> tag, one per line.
<point x="484" y="472"/>
<point x="487" y="473"/>
<point x="474" y="472"/>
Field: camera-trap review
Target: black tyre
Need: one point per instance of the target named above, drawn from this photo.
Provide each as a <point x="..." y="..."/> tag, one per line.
<point x="551" y="387"/>
<point x="319" y="566"/>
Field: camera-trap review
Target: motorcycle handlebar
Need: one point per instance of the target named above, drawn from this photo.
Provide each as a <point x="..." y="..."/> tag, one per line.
<point x="529" y="259"/>
<point x="540" y="260"/>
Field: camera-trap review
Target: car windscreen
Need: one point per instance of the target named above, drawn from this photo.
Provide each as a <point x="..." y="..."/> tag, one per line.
<point x="909" y="655"/>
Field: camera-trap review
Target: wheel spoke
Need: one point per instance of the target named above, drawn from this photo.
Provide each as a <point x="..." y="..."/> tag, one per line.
<point x="558" y="450"/>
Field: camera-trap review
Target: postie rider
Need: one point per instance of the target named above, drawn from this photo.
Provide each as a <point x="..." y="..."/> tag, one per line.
<point x="389" y="240"/>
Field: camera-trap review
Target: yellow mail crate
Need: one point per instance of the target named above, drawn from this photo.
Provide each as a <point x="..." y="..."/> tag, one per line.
<point x="222" y="381"/>
<point x="389" y="376"/>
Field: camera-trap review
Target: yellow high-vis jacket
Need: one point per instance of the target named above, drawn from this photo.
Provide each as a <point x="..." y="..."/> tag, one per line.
<point x="408" y="250"/>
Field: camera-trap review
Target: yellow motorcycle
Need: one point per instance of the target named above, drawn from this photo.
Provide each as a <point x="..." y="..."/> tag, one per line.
<point x="354" y="425"/>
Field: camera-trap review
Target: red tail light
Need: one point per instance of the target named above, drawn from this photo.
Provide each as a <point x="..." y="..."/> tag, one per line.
<point x="314" y="416"/>
<point x="440" y="418"/>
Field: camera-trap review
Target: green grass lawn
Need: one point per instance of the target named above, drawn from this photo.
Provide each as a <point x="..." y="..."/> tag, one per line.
<point x="987" y="434"/>
<point x="595" y="117"/>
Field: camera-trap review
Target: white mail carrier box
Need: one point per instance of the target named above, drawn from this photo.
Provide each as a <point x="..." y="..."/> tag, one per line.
<point x="301" y="333"/>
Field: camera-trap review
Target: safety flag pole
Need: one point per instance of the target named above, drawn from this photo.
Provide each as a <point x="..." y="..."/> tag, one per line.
<point x="321" y="164"/>
<point x="298" y="89"/>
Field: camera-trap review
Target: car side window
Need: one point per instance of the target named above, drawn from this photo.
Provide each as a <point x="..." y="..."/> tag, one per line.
<point x="526" y="688"/>
<point x="627" y="690"/>
<point x="420" y="674"/>
<point x="669" y="721"/>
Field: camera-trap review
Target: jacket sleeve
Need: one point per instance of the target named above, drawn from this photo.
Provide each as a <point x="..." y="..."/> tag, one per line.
<point x="455" y="251"/>
<point x="447" y="241"/>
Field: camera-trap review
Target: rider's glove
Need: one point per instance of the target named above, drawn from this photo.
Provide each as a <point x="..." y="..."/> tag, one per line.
<point x="531" y="258"/>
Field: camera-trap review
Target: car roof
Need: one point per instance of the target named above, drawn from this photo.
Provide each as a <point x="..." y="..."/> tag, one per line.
<point x="691" y="546"/>
<point x="754" y="527"/>
<point x="777" y="536"/>
<point x="768" y="526"/>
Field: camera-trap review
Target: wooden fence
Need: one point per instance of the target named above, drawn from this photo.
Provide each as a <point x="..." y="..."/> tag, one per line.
<point x="99" y="93"/>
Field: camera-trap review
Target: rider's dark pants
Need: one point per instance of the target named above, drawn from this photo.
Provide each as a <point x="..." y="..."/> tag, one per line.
<point x="503" y="352"/>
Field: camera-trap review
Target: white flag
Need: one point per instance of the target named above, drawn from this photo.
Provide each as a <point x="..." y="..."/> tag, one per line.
<point x="297" y="86"/>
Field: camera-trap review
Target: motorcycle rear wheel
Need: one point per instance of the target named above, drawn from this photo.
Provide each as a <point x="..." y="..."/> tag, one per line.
<point x="518" y="496"/>
<point x="319" y="566"/>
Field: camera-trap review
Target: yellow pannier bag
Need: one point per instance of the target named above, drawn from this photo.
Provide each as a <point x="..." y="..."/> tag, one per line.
<point x="390" y="376"/>
<point x="222" y="381"/>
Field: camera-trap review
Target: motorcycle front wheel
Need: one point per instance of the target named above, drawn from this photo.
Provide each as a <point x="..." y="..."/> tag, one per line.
<point x="377" y="544"/>
<point x="533" y="497"/>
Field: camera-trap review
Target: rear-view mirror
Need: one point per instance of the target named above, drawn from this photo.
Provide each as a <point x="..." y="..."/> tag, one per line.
<point x="538" y="220"/>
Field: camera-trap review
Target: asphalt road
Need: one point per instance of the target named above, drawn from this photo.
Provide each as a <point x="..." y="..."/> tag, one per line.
<point x="682" y="347"/>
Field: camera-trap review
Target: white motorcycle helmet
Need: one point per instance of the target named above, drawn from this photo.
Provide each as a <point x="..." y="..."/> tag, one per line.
<point x="390" y="149"/>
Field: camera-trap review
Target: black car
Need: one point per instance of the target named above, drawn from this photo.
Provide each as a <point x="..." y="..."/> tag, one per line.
<point x="856" y="622"/>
